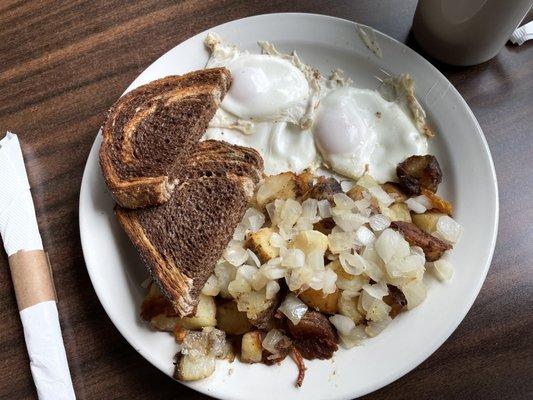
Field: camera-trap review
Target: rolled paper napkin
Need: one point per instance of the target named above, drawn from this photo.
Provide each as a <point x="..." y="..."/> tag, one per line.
<point x="32" y="278"/>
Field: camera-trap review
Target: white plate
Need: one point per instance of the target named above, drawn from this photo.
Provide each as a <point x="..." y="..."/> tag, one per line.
<point x="469" y="182"/>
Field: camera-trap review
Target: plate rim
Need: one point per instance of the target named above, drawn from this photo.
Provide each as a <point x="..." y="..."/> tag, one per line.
<point x="436" y="344"/>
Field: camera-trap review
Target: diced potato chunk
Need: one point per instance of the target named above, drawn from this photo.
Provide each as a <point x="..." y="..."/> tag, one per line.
<point x="205" y="315"/>
<point x="281" y="186"/>
<point x="427" y="221"/>
<point x="259" y="243"/>
<point x="231" y="320"/>
<point x="257" y="307"/>
<point x="401" y="212"/>
<point x="356" y="192"/>
<point x="251" y="347"/>
<point x="320" y="302"/>
<point x="193" y="368"/>
<point x="308" y="241"/>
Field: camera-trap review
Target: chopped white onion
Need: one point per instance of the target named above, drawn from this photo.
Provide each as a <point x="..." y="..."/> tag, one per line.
<point x="330" y="278"/>
<point x="271" y="339"/>
<point x="448" y="229"/>
<point x="353" y="264"/>
<point x="343" y="201"/>
<point x="309" y="208"/>
<point x="424" y="201"/>
<point x="381" y="195"/>
<point x="277" y="241"/>
<point x="246" y="272"/>
<point x="391" y="244"/>
<point x="293" y="308"/>
<point x="253" y="258"/>
<point x="341" y="241"/>
<point x="344" y="325"/>
<point x="415" y="206"/>
<point x="259" y="280"/>
<point x="324" y="208"/>
<point x="292" y="258"/>
<point x="235" y="253"/>
<point x="379" y="311"/>
<point x="315" y="260"/>
<point x="443" y="269"/>
<point x="377" y="290"/>
<point x="211" y="286"/>
<point x="415" y="292"/>
<point x="378" y="222"/>
<point x="375" y="328"/>
<point x="354" y="338"/>
<point x="349" y="222"/>
<point x="364" y="236"/>
<point x="272" y="287"/>
<point x="238" y="287"/>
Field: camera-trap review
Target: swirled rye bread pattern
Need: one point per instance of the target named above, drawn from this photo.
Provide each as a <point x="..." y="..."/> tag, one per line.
<point x="151" y="130"/>
<point x="179" y="200"/>
<point x="181" y="240"/>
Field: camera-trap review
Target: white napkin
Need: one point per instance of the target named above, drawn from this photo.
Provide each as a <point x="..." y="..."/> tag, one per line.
<point x="19" y="230"/>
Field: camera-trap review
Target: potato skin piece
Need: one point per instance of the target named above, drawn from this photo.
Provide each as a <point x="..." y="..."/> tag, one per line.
<point x="438" y="203"/>
<point x="324" y="189"/>
<point x="433" y="247"/>
<point x="314" y="336"/>
<point x="418" y="172"/>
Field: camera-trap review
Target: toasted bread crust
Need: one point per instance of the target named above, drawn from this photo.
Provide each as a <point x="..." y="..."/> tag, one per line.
<point x="181" y="241"/>
<point x="180" y="107"/>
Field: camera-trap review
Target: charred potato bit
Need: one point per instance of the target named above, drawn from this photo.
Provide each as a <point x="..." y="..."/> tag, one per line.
<point x="438" y="203"/>
<point x="314" y="336"/>
<point x="395" y="191"/>
<point x="324" y="189"/>
<point x="418" y="172"/>
<point x="231" y="320"/>
<point x="251" y="347"/>
<point x="304" y="181"/>
<point x="396" y="300"/>
<point x="259" y="243"/>
<point x="432" y="246"/>
<point x="356" y="192"/>
<point x="324" y="303"/>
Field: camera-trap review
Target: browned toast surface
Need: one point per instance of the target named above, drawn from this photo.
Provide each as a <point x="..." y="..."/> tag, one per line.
<point x="153" y="128"/>
<point x="181" y="240"/>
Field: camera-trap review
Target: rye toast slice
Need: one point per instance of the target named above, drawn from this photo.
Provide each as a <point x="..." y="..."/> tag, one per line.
<point x="152" y="129"/>
<point x="181" y="240"/>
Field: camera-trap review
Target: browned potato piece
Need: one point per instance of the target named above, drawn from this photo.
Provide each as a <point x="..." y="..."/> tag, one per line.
<point x="401" y="212"/>
<point x="324" y="303"/>
<point x="205" y="315"/>
<point x="304" y="181"/>
<point x="191" y="368"/>
<point x="427" y="221"/>
<point x="258" y="308"/>
<point x="324" y="189"/>
<point x="314" y="336"/>
<point x="396" y="300"/>
<point x="259" y="243"/>
<point x="231" y="320"/>
<point x="251" y="347"/>
<point x="356" y="192"/>
<point x="395" y="191"/>
<point x="324" y="226"/>
<point x="432" y="246"/>
<point x="438" y="203"/>
<point x="281" y="186"/>
<point x="418" y="172"/>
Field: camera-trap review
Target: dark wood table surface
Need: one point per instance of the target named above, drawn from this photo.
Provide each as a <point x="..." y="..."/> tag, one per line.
<point x="63" y="63"/>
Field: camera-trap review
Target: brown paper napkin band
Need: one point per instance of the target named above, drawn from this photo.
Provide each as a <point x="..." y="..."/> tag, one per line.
<point x="32" y="278"/>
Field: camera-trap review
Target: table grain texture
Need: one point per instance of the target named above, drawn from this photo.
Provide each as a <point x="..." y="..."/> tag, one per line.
<point x="63" y="63"/>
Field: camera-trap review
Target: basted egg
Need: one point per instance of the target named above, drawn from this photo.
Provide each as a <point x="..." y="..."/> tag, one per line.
<point x="357" y="131"/>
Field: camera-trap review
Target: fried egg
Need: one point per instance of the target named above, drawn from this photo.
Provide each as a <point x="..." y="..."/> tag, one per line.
<point x="358" y="131"/>
<point x="266" y="87"/>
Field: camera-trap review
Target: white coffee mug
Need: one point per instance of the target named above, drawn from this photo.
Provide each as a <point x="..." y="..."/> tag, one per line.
<point x="466" y="32"/>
